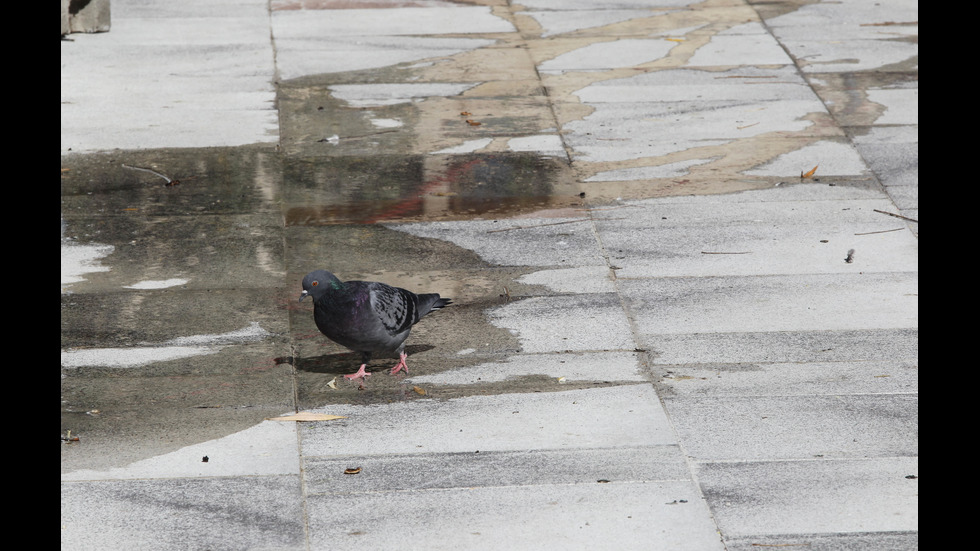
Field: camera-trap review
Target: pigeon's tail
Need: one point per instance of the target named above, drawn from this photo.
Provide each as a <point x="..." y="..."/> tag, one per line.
<point x="431" y="301"/>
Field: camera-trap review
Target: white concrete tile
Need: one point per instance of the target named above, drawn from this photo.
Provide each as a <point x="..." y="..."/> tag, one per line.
<point x="395" y="21"/>
<point x="862" y="345"/>
<point x="829" y="158"/>
<point x="653" y="515"/>
<point x="704" y="238"/>
<point x="624" y="52"/>
<point x="586" y="279"/>
<point x="587" y="366"/>
<point x="269" y="448"/>
<point x="745" y="44"/>
<point x="849" y="20"/>
<point x="812" y="497"/>
<point x="602" y="4"/>
<point x="901" y="105"/>
<point x="791" y="378"/>
<point x="767" y="428"/>
<point x="261" y="512"/>
<point x="556" y="242"/>
<point x="560" y="22"/>
<point x="797" y="302"/>
<point x="849" y="56"/>
<point x="566" y="323"/>
<point x="483" y="468"/>
<point x="152" y="83"/>
<point x="690" y="84"/>
<point x="621" y="132"/>
<point x="297" y="57"/>
<point x="626" y="416"/>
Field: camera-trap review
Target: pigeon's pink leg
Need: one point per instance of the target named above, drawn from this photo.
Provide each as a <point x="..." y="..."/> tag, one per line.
<point x="361" y="374"/>
<point x="401" y="365"/>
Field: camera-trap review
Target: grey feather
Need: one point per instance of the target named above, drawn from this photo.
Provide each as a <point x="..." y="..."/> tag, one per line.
<point x="366" y="316"/>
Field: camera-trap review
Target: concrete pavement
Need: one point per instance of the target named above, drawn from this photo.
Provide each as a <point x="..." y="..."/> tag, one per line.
<point x="662" y="336"/>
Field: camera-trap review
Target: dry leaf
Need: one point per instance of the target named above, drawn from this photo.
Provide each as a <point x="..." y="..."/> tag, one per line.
<point x="675" y="39"/>
<point x="419" y="390"/>
<point x="353" y="470"/>
<point x="466" y="113"/>
<point x="333" y="383"/>
<point x="561" y="380"/>
<point x="809" y="174"/>
<point x="472" y="122"/>
<point x="307" y="416"/>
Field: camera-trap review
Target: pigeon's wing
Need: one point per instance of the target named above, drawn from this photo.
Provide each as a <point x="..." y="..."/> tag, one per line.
<point x="397" y="309"/>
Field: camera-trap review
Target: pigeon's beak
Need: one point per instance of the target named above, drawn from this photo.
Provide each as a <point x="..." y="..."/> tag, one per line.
<point x="303" y="295"/>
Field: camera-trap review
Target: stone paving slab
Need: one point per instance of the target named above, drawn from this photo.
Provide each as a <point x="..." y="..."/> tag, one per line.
<point x="620" y="416"/>
<point x="807" y="302"/>
<point x="715" y="239"/>
<point x="901" y="344"/>
<point x="773" y="428"/>
<point x="261" y="450"/>
<point x="831" y="378"/>
<point x="180" y="513"/>
<point x="568" y="368"/>
<point x="808" y="497"/>
<point x="652" y="515"/>
<point x="469" y="470"/>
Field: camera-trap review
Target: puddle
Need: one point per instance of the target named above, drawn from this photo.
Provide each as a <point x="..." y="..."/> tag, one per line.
<point x="343" y="190"/>
<point x="149" y="353"/>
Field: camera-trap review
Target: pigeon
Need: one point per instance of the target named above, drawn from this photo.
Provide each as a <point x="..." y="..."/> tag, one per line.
<point x="367" y="316"/>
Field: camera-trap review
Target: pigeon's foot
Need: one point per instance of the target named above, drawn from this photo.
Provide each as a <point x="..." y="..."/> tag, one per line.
<point x="401" y="365"/>
<point x="361" y="374"/>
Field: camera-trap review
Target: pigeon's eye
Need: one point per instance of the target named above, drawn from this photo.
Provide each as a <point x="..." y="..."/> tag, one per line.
<point x="315" y="283"/>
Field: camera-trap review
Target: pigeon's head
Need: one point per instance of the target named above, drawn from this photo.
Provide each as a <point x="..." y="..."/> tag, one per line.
<point x="317" y="283"/>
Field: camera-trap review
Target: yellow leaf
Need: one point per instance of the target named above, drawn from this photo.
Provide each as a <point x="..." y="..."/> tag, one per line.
<point x="419" y="390"/>
<point x="809" y="174"/>
<point x="307" y="416"/>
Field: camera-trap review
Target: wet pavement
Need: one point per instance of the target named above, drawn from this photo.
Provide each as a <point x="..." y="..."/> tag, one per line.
<point x="668" y="331"/>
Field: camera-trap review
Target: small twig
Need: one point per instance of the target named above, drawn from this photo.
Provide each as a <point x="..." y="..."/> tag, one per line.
<point x="540" y="225"/>
<point x="897" y="216"/>
<point x="169" y="181"/>
<point x="879" y="231"/>
<point x="725" y="252"/>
